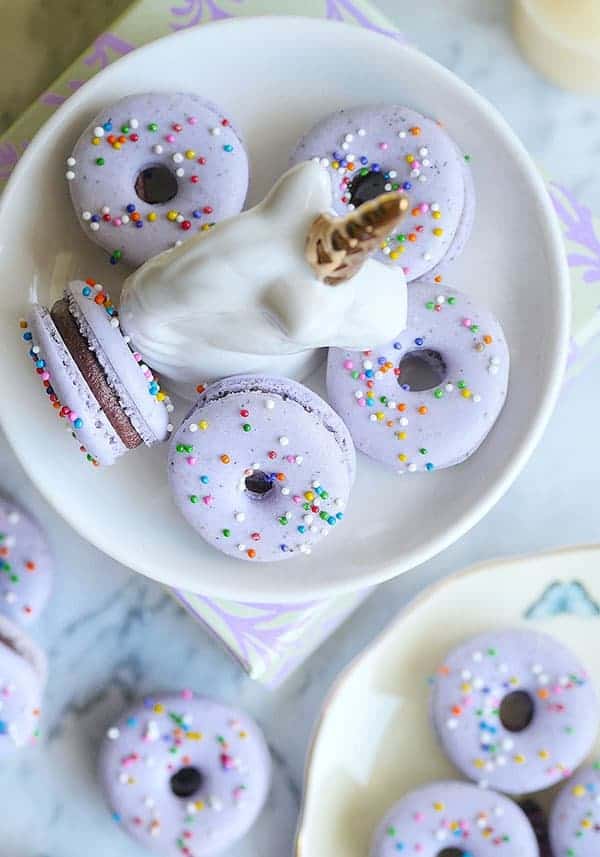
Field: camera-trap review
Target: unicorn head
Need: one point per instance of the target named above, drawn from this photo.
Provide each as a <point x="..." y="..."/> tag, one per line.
<point x="262" y="290"/>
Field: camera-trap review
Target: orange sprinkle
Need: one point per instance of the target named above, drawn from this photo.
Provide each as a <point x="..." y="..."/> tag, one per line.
<point x="423" y="410"/>
<point x="122" y="139"/>
<point x="438" y="279"/>
<point x="100" y="298"/>
<point x="251" y="553"/>
<point x="22" y="324"/>
<point x="415" y="131"/>
<point x="30" y="566"/>
<point x="543" y="693"/>
<point x="416" y="212"/>
<point x="443" y="670"/>
<point x="200" y="388"/>
<point x="412" y="236"/>
<point x="3" y="551"/>
<point x="488" y="339"/>
<point x="225" y="459"/>
<point x="111" y="138"/>
<point x="456" y="710"/>
<point x="401" y="406"/>
<point x="90" y="282"/>
<point x="390" y="423"/>
<point x="370" y="384"/>
<point x="281" y="477"/>
<point x="136" y="216"/>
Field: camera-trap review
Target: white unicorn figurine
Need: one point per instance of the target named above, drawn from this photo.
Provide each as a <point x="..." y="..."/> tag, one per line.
<point x="262" y="291"/>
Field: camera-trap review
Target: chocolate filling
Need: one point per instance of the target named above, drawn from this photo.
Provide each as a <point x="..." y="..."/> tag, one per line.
<point x="89" y="366"/>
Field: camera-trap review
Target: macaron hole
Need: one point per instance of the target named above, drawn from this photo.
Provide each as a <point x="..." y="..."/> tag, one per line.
<point x="258" y="484"/>
<point x="452" y="852"/>
<point x="156" y="184"/>
<point x="420" y="370"/>
<point x="186" y="782"/>
<point x="517" y="710"/>
<point x="363" y="188"/>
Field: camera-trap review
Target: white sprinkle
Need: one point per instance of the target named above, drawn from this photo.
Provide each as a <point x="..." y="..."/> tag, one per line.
<point x="94" y="227"/>
<point x="157" y="149"/>
<point x="127" y="339"/>
<point x="493" y="370"/>
<point x="241" y="547"/>
<point x="285" y="491"/>
<point x="466" y="675"/>
<point x="449" y="388"/>
<point x="308" y="519"/>
<point x="193" y="428"/>
<point x="452" y="723"/>
<point x="440" y="300"/>
<point x="180" y="172"/>
<point x="373" y="418"/>
<point x="411" y="468"/>
<point x="215" y="131"/>
<point x="422" y="178"/>
<point x="315" y="160"/>
<point x="349" y="137"/>
<point x="133" y="123"/>
<point x="123" y="778"/>
<point x="69" y="175"/>
<point x="476" y="398"/>
<point x="495" y="361"/>
<point x="351" y="207"/>
<point x="305" y="549"/>
<point x="427" y="256"/>
<point x="391" y="404"/>
<point x="169" y="425"/>
<point x="299" y="459"/>
<point x="367" y="364"/>
<point x="387" y="250"/>
<point x="435" y="206"/>
<point x="426" y="162"/>
<point x="86" y="215"/>
<point x="177" y="157"/>
<point x="113" y="733"/>
<point x="179" y="218"/>
<point x="178" y="244"/>
<point x="508" y="744"/>
<point x="402" y="134"/>
<point x="403" y="421"/>
<point x="283" y="440"/>
<point x="361" y="132"/>
<point x="270" y="404"/>
<point x="10" y="597"/>
<point x="105" y="209"/>
<point x="114" y="322"/>
<point x="324" y="162"/>
<point x="392" y="174"/>
<point x="358" y="394"/>
<point x="98" y="131"/>
<point x="378" y="374"/>
<point x="345" y="146"/>
<point x="387" y="186"/>
<point x="414" y="173"/>
<point x="240" y="516"/>
<point x="71" y="161"/>
<point x="423" y="151"/>
<point x="477" y="657"/>
<point x="170" y="408"/>
<point x="342" y="171"/>
<point x="36" y="349"/>
<point x="315" y="483"/>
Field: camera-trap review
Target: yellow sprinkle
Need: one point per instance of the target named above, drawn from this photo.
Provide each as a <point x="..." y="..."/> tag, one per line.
<point x="194" y="736"/>
<point x="161" y="396"/>
<point x="152" y="216"/>
<point x="158" y="708"/>
<point x="96" y="141"/>
<point x="171" y="215"/>
<point x="394" y="254"/>
<point x="383" y="245"/>
<point x="578" y="791"/>
<point x="203" y="424"/>
<point x="199" y="805"/>
<point x="438" y="232"/>
<point x="586" y="823"/>
<point x="544" y="754"/>
<point x="438" y="806"/>
<point x="401" y="435"/>
<point x="437" y="215"/>
<point x="410" y="159"/>
<point x="243" y="734"/>
<point x="335" y="165"/>
<point x="116" y="145"/>
<point x="519" y="759"/>
<point x="487" y="832"/>
<point x="479" y="763"/>
<point x="370" y="394"/>
<point x="466" y="394"/>
<point x="380" y="416"/>
<point x="403" y="457"/>
<point x="205" y="227"/>
<point x="190" y="154"/>
<point x="466" y="688"/>
<point x="309" y="495"/>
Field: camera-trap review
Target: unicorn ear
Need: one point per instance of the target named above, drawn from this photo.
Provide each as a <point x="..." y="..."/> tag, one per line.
<point x="304" y="191"/>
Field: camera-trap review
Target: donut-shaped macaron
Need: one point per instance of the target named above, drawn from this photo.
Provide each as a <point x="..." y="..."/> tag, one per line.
<point x="514" y="710"/>
<point x="22" y="680"/>
<point x="153" y="169"/>
<point x="262" y="467"/>
<point x="105" y="394"/>
<point x="185" y="775"/>
<point x="428" y="398"/>
<point x="453" y="819"/>
<point x="370" y="150"/>
<point x="26" y="564"/>
<point x="575" y="815"/>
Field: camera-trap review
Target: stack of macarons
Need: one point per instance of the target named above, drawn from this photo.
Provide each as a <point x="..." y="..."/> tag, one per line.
<point x="515" y="711"/>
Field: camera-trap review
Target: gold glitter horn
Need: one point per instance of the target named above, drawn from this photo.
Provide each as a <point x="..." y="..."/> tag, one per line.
<point x="336" y="247"/>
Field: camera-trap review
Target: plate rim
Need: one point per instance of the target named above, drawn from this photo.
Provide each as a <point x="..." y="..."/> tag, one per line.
<point x="430" y="591"/>
<point x="548" y="220"/>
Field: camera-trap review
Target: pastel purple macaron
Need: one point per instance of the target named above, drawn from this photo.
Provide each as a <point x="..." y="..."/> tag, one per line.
<point x="515" y="710"/>
<point x="454" y="819"/>
<point x="152" y="170"/>
<point x="185" y="775"/>
<point x="106" y="396"/>
<point x="262" y="468"/>
<point x="370" y="150"/>
<point x="428" y="398"/>
<point x="26" y="564"/>
<point x="575" y="815"/>
<point x="22" y="680"/>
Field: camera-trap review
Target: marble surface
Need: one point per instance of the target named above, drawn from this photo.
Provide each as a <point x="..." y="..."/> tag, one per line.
<point x="111" y="635"/>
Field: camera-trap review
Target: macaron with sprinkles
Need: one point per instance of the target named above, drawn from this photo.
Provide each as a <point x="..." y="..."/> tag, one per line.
<point x="23" y="671"/>
<point x="26" y="564"/>
<point x="107" y="397"/>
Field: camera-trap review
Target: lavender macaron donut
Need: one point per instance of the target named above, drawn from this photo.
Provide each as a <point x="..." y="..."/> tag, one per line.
<point x="575" y="815"/>
<point x="22" y="680"/>
<point x="185" y="775"/>
<point x="107" y="397"/>
<point x="261" y="467"/>
<point x="427" y="399"/>
<point x="370" y="150"/>
<point x="453" y="819"/>
<point x="26" y="564"/>
<point x="515" y="710"/>
<point x="153" y="169"/>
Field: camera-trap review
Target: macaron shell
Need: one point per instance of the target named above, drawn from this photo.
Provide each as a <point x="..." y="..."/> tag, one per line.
<point x="26" y="565"/>
<point x="575" y="815"/>
<point x="22" y="677"/>
<point x="96" y="434"/>
<point x="436" y="195"/>
<point x="123" y="372"/>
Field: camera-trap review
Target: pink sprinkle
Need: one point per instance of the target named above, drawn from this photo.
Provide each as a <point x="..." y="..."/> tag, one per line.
<point x="467" y="322"/>
<point x="424" y="207"/>
<point x="384" y="147"/>
<point x="117" y="221"/>
<point x="362" y="376"/>
<point x="419" y="816"/>
<point x="45" y="376"/>
<point x="170" y="138"/>
<point x="129" y="760"/>
<point x="348" y="364"/>
<point x="187" y="693"/>
<point x="227" y="761"/>
<point x="72" y="416"/>
<point x="177" y="127"/>
<point x="406" y="270"/>
<point x="208" y="499"/>
<point x="361" y="403"/>
<point x="416" y="165"/>
<point x="192" y="120"/>
<point x="137" y="356"/>
<point x="296" y="498"/>
<point x="238" y="793"/>
<point x="191" y="460"/>
<point x="291" y="459"/>
<point x="148" y="375"/>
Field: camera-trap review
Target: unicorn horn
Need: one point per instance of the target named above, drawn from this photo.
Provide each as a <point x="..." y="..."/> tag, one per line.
<point x="337" y="247"/>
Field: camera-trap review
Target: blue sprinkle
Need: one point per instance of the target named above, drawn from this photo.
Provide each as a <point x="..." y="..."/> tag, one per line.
<point x="343" y="162"/>
<point x="284" y="548"/>
<point x="86" y="292"/>
<point x="405" y="386"/>
<point x="27" y="337"/>
<point x="95" y="218"/>
<point x="107" y="126"/>
<point x="419" y="340"/>
<point x="339" y="515"/>
<point x="40" y="364"/>
<point x="369" y="373"/>
<point x="113" y="260"/>
<point x="369" y="403"/>
<point x="205" y="480"/>
<point x="337" y="155"/>
<point x="364" y="160"/>
<point x="398" y="346"/>
<point x="116" y="817"/>
<point x="429" y="466"/>
<point x="228" y="147"/>
<point x="407" y="186"/>
<point x="130" y="208"/>
<point x="301" y="528"/>
<point x="49" y="391"/>
<point x="78" y="423"/>
<point x="196" y="213"/>
<point x="139" y="224"/>
<point x="376" y="168"/>
<point x="381" y="360"/>
<point x="132" y="722"/>
<point x="111" y="310"/>
<point x="331" y="520"/>
<point x="3" y="727"/>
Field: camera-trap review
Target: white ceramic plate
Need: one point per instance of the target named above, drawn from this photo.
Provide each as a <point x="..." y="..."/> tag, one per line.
<point x="276" y="76"/>
<point x="374" y="742"/>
